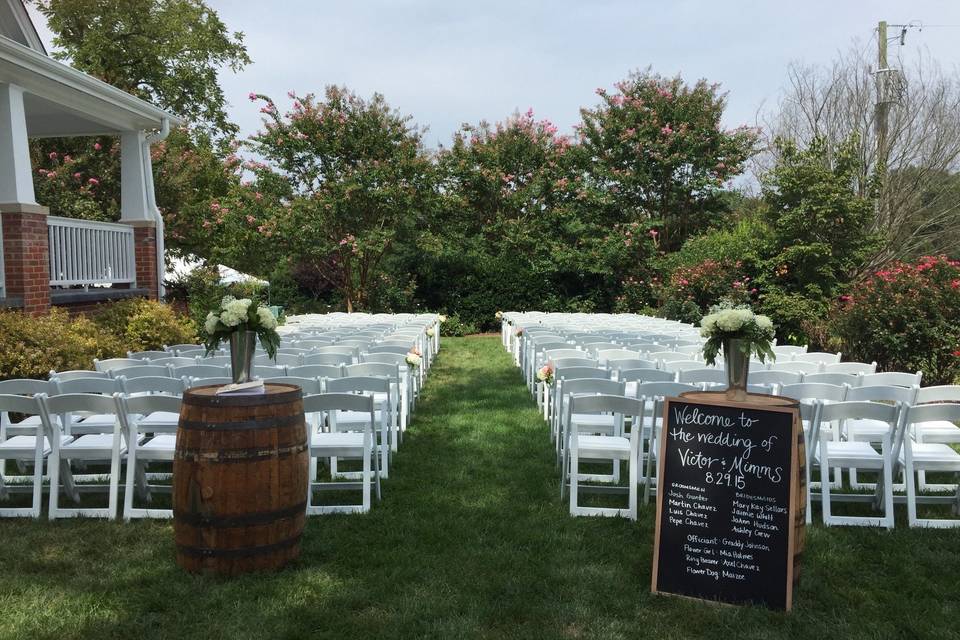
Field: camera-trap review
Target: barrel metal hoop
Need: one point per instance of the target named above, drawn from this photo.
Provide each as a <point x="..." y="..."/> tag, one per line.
<point x="271" y="422"/>
<point x="244" y="454"/>
<point x="241" y="520"/>
<point x="239" y="552"/>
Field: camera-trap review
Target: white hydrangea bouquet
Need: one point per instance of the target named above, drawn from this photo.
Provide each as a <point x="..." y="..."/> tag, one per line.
<point x="414" y="357"/>
<point x="545" y="374"/>
<point x="242" y="314"/>
<point x="739" y="327"/>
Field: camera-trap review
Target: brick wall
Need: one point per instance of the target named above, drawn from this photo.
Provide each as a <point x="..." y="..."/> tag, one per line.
<point x="27" y="263"/>
<point x="26" y="259"/>
<point x="145" y="245"/>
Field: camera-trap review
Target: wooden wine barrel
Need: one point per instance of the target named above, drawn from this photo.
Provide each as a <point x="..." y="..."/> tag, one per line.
<point x="799" y="470"/>
<point x="240" y="480"/>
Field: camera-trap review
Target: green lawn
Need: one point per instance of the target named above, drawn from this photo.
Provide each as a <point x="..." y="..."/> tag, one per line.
<point x="471" y="541"/>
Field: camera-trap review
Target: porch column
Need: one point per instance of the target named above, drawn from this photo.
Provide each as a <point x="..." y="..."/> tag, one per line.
<point x="23" y="223"/>
<point x="135" y="210"/>
<point x="16" y="175"/>
<point x="133" y="182"/>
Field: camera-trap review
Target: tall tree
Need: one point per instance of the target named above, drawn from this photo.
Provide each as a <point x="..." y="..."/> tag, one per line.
<point x="341" y="180"/>
<point x="917" y="210"/>
<point x="166" y="51"/>
<point x="820" y="234"/>
<point x="658" y="147"/>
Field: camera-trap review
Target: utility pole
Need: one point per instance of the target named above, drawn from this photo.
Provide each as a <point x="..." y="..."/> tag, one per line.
<point x="882" y="107"/>
<point x="883" y="103"/>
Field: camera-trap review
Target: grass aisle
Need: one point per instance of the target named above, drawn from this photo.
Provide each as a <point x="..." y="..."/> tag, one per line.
<point x="471" y="541"/>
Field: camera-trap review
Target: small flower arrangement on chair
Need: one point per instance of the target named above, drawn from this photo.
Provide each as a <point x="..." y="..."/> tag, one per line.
<point x="414" y="357"/>
<point x="545" y="374"/>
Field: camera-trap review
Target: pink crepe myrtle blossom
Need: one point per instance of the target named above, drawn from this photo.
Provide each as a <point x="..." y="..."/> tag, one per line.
<point x="666" y="130"/>
<point x="53" y="155"/>
<point x="77" y="175"/>
<point x="93" y="182"/>
<point x="252" y="96"/>
<point x="97" y="146"/>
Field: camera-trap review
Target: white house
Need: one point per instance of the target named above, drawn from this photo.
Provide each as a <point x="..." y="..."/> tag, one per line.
<point x="41" y="97"/>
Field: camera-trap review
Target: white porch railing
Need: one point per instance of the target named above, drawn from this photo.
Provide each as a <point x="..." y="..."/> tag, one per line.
<point x="83" y="252"/>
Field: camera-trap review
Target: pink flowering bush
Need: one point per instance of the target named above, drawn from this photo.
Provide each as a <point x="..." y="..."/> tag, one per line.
<point x="78" y="178"/>
<point x="906" y="317"/>
<point x="337" y="182"/>
<point x="657" y="149"/>
<point x="690" y="290"/>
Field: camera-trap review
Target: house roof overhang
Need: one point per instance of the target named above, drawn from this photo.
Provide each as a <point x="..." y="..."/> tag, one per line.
<point x="16" y="24"/>
<point x="61" y="101"/>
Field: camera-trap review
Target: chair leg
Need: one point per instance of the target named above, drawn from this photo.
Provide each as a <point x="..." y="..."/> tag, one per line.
<point x="911" y="494"/>
<point x="367" y="446"/>
<point x="825" y="483"/>
<point x="887" y="483"/>
<point x="574" y="473"/>
<point x="128" y="483"/>
<point x="54" y="467"/>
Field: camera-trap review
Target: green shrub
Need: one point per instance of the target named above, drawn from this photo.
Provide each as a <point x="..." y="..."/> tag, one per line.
<point x="455" y="327"/>
<point x="31" y="346"/>
<point x="144" y="324"/>
<point x="906" y="317"/>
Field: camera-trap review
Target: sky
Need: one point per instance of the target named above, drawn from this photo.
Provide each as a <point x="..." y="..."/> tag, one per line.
<point x="450" y="62"/>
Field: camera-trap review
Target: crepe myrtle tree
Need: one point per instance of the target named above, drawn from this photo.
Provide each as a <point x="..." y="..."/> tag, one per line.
<point x="658" y="147"/>
<point x="338" y="182"/>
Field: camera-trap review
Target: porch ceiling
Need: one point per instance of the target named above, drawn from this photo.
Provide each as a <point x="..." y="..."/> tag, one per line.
<point x="61" y="101"/>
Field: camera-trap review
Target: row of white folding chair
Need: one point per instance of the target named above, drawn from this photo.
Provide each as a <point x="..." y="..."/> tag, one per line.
<point x="121" y="436"/>
<point x="930" y="432"/>
<point x="107" y="441"/>
<point x="595" y="432"/>
<point x="897" y="449"/>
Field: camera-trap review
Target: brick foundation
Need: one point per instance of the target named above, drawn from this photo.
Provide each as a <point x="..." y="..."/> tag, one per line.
<point x="26" y="259"/>
<point x="145" y="246"/>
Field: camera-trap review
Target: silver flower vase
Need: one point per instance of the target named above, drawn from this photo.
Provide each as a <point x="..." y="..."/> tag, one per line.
<point x="736" y="358"/>
<point x="243" y="345"/>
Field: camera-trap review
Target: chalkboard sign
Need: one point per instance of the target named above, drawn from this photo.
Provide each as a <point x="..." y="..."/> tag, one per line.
<point x="727" y="501"/>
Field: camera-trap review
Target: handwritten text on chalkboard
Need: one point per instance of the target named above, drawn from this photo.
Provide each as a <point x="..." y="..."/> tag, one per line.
<point x="724" y="503"/>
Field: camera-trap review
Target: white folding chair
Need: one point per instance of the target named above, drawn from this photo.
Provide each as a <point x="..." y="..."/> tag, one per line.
<point x="858" y="368"/>
<point x="817" y="357"/>
<point x="831" y="453"/>
<point x="356" y="444"/>
<point x="873" y="431"/>
<point x="118" y="363"/>
<point x="138" y="417"/>
<point x="919" y="457"/>
<point x="935" y="431"/>
<point x="614" y="447"/>
<point x="381" y="390"/>
<point x="30" y="445"/>
<point x="106" y="444"/>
